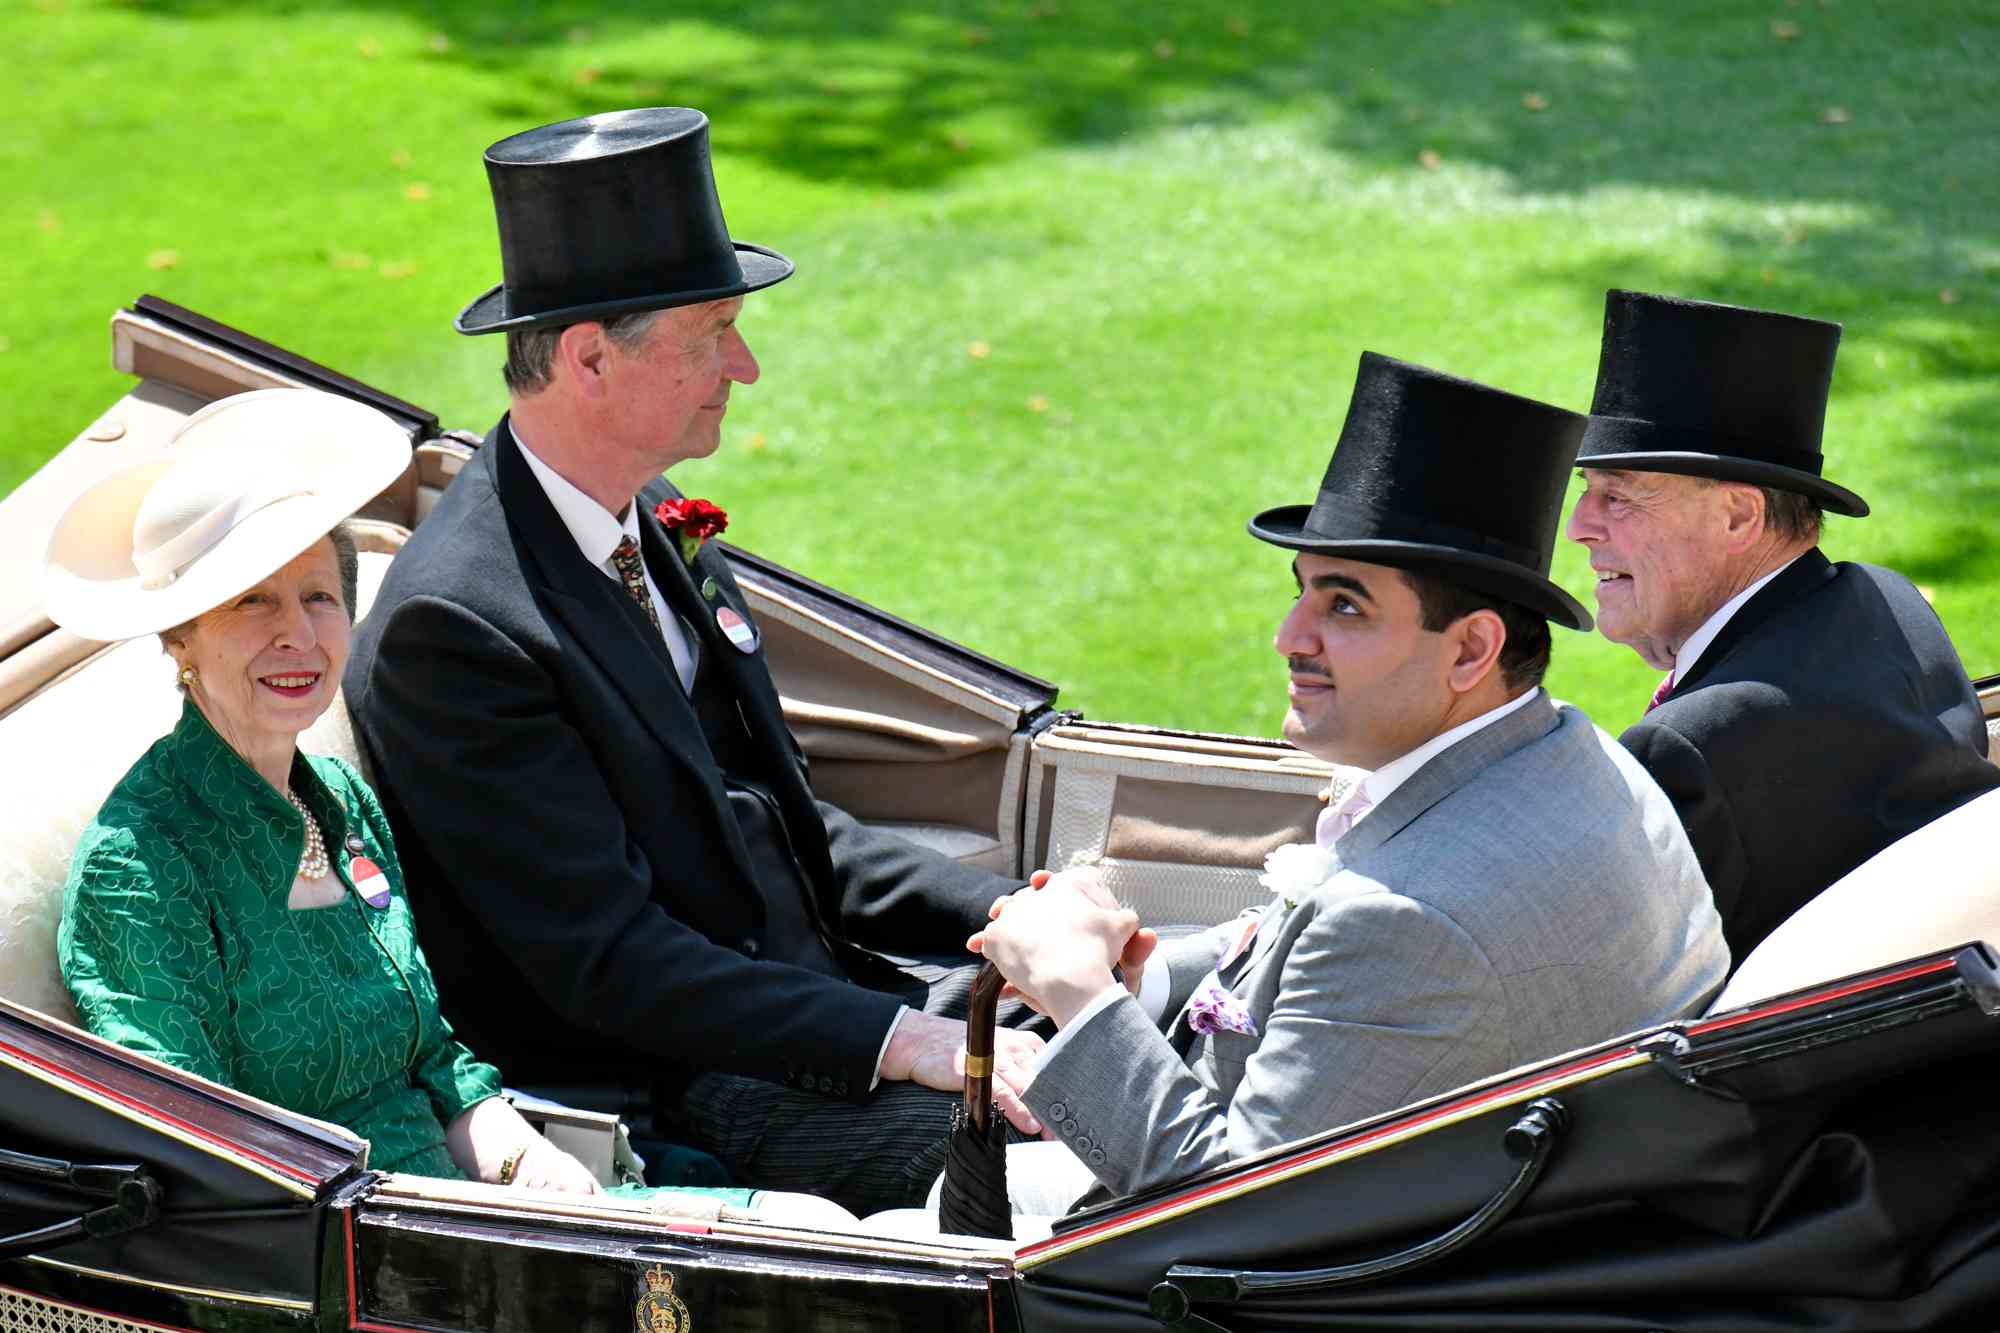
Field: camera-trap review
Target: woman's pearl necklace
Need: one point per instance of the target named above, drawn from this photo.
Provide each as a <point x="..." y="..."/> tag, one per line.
<point x="314" y="863"/>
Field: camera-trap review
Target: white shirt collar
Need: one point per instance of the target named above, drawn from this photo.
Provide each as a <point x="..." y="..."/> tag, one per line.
<point x="1380" y="784"/>
<point x="1396" y="772"/>
<point x="597" y="533"/>
<point x="1698" y="642"/>
<point x="595" y="529"/>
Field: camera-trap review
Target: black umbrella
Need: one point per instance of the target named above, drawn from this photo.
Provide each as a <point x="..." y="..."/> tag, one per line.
<point x="974" y="1200"/>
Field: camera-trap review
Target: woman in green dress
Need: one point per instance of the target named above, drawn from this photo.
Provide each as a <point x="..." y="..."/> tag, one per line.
<point x="236" y="907"/>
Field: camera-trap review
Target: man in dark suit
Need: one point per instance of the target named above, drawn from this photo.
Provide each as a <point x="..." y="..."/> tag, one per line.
<point x="1812" y="713"/>
<point x="617" y="863"/>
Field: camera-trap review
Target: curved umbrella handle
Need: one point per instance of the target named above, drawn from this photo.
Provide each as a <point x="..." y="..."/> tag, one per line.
<point x="973" y="1201"/>
<point x="982" y="1015"/>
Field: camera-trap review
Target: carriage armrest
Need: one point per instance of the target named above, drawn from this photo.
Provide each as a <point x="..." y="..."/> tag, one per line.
<point x="594" y="1138"/>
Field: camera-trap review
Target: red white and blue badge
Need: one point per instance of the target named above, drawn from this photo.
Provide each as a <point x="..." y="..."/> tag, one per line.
<point x="737" y="630"/>
<point x="369" y="882"/>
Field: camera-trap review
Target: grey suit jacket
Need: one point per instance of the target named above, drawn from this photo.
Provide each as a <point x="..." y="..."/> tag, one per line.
<point x="1526" y="892"/>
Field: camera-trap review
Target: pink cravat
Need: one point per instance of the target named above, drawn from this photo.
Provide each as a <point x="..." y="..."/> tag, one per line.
<point x="1665" y="688"/>
<point x="1343" y="816"/>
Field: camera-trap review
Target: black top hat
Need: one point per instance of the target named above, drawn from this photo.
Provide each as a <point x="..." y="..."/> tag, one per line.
<point x="610" y="214"/>
<point x="1437" y="473"/>
<point x="1716" y="391"/>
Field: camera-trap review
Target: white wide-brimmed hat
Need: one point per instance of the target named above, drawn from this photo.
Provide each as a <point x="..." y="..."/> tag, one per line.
<point x="246" y="484"/>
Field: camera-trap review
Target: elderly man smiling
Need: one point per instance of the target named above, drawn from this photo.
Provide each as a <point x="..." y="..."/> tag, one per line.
<point x="1811" y="712"/>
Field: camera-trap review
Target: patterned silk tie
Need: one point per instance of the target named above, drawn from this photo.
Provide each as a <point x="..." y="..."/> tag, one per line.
<point x="625" y="559"/>
<point x="1660" y="693"/>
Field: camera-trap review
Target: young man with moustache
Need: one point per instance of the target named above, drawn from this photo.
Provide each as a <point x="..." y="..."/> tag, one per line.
<point x="1505" y="884"/>
<point x="619" y="869"/>
<point x="1811" y="713"/>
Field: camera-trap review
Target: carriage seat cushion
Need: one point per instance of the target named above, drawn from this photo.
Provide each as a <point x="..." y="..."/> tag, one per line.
<point x="61" y="752"/>
<point x="1930" y="890"/>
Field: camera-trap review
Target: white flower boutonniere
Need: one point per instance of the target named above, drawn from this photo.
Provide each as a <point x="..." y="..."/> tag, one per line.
<point x="1295" y="870"/>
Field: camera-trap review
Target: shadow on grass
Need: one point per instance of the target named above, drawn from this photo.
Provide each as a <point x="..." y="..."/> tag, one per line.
<point x="1863" y="127"/>
<point x="894" y="95"/>
<point x="1884" y="108"/>
<point x="1562" y="94"/>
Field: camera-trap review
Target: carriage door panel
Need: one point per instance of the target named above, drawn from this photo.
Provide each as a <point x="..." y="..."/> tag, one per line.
<point x="1178" y="823"/>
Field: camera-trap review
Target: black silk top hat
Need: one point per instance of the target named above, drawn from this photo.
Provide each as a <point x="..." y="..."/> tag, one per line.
<point x="608" y="215"/>
<point x="1443" y="475"/>
<point x="1716" y="391"/>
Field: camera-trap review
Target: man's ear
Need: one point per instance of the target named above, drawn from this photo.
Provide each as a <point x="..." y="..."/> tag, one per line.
<point x="583" y="357"/>
<point x="1743" y="516"/>
<point x="1476" y="640"/>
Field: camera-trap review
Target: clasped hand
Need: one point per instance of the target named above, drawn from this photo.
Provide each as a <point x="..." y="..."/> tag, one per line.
<point x="1058" y="940"/>
<point x="930" y="1050"/>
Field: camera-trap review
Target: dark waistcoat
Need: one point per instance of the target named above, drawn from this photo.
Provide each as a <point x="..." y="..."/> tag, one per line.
<point x="793" y="932"/>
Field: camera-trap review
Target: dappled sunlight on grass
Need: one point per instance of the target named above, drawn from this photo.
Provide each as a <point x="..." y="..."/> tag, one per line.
<point x="1171" y="229"/>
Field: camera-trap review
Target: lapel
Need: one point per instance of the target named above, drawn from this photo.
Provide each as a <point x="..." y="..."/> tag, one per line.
<point x="1234" y="975"/>
<point x="743" y="674"/>
<point x="663" y="561"/>
<point x="680" y="583"/>
<point x="1437" y="779"/>
<point x="1447" y="772"/>
<point x="1799" y="578"/>
<point x="605" y="620"/>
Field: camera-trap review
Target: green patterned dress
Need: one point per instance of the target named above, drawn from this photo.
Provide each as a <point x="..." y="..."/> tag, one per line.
<point x="177" y="941"/>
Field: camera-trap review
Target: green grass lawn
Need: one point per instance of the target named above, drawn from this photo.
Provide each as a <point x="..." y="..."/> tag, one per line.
<point x="1081" y="284"/>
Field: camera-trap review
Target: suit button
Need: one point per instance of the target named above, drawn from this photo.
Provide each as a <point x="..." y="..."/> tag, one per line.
<point x="825" y="1083"/>
<point x="1058" y="1111"/>
<point x="1070" y="1127"/>
<point x="1084" y="1144"/>
<point x="1097" y="1155"/>
<point x="840" y="1087"/>
<point x="750" y="948"/>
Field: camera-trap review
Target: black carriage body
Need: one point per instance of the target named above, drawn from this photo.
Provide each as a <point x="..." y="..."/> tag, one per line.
<point x="1820" y="1161"/>
<point x="415" y="1268"/>
<point x="241" y="1188"/>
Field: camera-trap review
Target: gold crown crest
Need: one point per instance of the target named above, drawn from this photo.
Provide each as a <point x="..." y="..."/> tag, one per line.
<point x="659" y="1280"/>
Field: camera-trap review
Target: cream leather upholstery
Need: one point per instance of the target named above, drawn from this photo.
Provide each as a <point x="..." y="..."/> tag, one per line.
<point x="64" y="750"/>
<point x="1178" y="826"/>
<point x="1933" y="889"/>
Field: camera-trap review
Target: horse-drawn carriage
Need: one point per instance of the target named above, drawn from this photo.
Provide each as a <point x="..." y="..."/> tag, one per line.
<point x="1816" y="1152"/>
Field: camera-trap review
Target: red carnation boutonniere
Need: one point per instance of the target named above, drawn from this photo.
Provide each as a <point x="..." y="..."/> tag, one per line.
<point x="692" y="522"/>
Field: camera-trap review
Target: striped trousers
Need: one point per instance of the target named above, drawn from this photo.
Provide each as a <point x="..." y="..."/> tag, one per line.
<point x="865" y="1156"/>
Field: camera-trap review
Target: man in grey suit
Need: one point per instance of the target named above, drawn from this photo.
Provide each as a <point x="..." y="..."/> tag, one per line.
<point x="1505" y="884"/>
